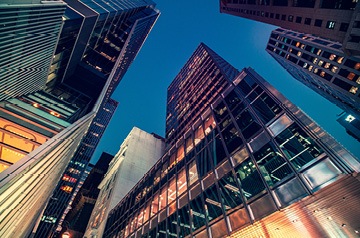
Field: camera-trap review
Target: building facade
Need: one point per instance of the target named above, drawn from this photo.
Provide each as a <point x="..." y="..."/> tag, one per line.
<point x="321" y="65"/>
<point x="85" y="200"/>
<point x="335" y="20"/>
<point x="138" y="153"/>
<point x="89" y="61"/>
<point x="29" y="33"/>
<point x="61" y="200"/>
<point x="251" y="164"/>
<point x="351" y="124"/>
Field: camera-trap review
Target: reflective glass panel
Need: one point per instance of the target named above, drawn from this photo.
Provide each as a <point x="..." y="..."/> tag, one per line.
<point x="181" y="182"/>
<point x="251" y="182"/>
<point x="230" y="192"/>
<point x="298" y="146"/>
<point x="172" y="190"/>
<point x="193" y="174"/>
<point x="247" y="124"/>
<point x="184" y="221"/>
<point x="212" y="202"/>
<point x="272" y="164"/>
<point x="266" y="107"/>
<point x="232" y="138"/>
<point x="197" y="212"/>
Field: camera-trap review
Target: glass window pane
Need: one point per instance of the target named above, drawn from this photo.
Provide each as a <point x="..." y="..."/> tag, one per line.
<point x="181" y="182"/>
<point x="197" y="212"/>
<point x="199" y="135"/>
<point x="251" y="182"/>
<point x="247" y="124"/>
<point x="155" y="204"/>
<point x="161" y="230"/>
<point x="298" y="146"/>
<point x="272" y="165"/>
<point x="232" y="99"/>
<point x="209" y="124"/>
<point x="193" y="174"/>
<point x="180" y="153"/>
<point x="147" y="212"/>
<point x="220" y="112"/>
<point x="184" y="222"/>
<point x="204" y="164"/>
<point x="163" y="197"/>
<point x="212" y="201"/>
<point x="217" y="150"/>
<point x="246" y="85"/>
<point x="230" y="192"/>
<point x="240" y="156"/>
<point x="266" y="108"/>
<point x="189" y="144"/>
<point x="232" y="138"/>
<point x="172" y="226"/>
<point x="172" y="190"/>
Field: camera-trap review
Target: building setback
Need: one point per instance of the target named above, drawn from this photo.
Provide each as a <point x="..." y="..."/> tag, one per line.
<point x="249" y="164"/>
<point x="335" y="20"/>
<point x="138" y="153"/>
<point x="321" y="65"/>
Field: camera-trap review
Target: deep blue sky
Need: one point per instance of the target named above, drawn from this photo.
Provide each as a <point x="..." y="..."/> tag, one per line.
<point x="180" y="28"/>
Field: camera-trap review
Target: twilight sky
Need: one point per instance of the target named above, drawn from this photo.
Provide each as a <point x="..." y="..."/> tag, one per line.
<point x="180" y="28"/>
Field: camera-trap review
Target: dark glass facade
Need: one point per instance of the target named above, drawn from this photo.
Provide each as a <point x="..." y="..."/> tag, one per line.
<point x="245" y="157"/>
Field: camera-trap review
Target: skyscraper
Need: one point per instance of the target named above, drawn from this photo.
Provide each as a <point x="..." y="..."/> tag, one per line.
<point x="84" y="202"/>
<point x="137" y="154"/>
<point x="28" y="35"/>
<point x="335" y="20"/>
<point x="247" y="164"/>
<point x="321" y="65"/>
<point x="97" y="46"/>
<point x="59" y="204"/>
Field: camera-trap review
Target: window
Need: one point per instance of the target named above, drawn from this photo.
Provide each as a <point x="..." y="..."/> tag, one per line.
<point x="283" y="17"/>
<point x="217" y="150"/>
<point x="318" y="22"/>
<point x="198" y="213"/>
<point x="298" y="146"/>
<point x="290" y="18"/>
<point x="212" y="201"/>
<point x="277" y="16"/>
<point x="272" y="164"/>
<point x="232" y="138"/>
<point x="230" y="192"/>
<point x="307" y="21"/>
<point x="344" y="27"/>
<point x="251" y="183"/>
<point x="163" y="198"/>
<point x="199" y="135"/>
<point x="172" y="190"/>
<point x="330" y="25"/>
<point x="280" y="3"/>
<point x="193" y="174"/>
<point x="266" y="108"/>
<point x="66" y="188"/>
<point x="247" y="124"/>
<point x="181" y="182"/>
<point x="184" y="219"/>
<point x="298" y="19"/>
<point x="209" y="124"/>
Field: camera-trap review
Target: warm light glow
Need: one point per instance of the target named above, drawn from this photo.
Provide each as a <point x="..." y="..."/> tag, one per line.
<point x="35" y="105"/>
<point x="55" y="114"/>
<point x="350" y="118"/>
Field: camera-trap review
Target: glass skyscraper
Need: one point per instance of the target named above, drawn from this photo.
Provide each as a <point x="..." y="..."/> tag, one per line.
<point x="242" y="160"/>
<point x="97" y="43"/>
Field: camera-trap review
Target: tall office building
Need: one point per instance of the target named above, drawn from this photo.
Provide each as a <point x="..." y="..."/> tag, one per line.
<point x="321" y="65"/>
<point x="94" y="51"/>
<point x="337" y="20"/>
<point x="85" y="200"/>
<point x="351" y="124"/>
<point x="249" y="164"/>
<point x="28" y="35"/>
<point x="137" y="154"/>
<point x="61" y="200"/>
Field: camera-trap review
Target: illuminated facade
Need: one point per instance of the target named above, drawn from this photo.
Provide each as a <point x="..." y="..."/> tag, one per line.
<point x="29" y="33"/>
<point x="335" y="20"/>
<point x="321" y="65"/>
<point x="351" y="124"/>
<point x="138" y="153"/>
<point x="250" y="164"/>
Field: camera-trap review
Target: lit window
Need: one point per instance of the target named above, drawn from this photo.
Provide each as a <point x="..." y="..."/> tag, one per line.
<point x="332" y="57"/>
<point x="334" y="69"/>
<point x="66" y="189"/>
<point x="319" y="52"/>
<point x="310" y="68"/>
<point x="330" y="25"/>
<point x="340" y="60"/>
<point x="299" y="53"/>
<point x="302" y="46"/>
<point x="305" y="65"/>
<point x="357" y="66"/>
<point x="358" y="80"/>
<point x="321" y="62"/>
<point x="322" y="74"/>
<point x="316" y="70"/>
<point x="297" y="44"/>
<point x="327" y="65"/>
<point x="315" y="60"/>
<point x="353" y="90"/>
<point x="350" y="76"/>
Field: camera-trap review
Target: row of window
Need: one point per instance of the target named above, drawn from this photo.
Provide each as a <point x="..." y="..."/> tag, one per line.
<point x="291" y="18"/>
